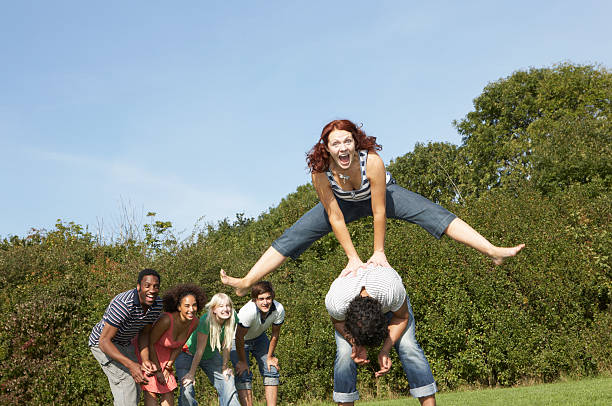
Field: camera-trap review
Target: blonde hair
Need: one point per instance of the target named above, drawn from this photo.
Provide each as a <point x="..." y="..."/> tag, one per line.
<point x="215" y="329"/>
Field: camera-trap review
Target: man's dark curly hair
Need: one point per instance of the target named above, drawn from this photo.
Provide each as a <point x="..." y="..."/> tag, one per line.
<point x="173" y="296"/>
<point x="366" y="322"/>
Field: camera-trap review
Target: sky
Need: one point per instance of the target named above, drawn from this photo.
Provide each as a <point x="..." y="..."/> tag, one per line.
<point x="199" y="110"/>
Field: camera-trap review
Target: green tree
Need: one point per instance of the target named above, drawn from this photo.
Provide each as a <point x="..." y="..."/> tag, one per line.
<point x="430" y="170"/>
<point x="515" y="116"/>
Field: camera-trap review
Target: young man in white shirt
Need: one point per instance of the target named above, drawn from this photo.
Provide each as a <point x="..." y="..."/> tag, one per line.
<point x="255" y="318"/>
<point x="367" y="308"/>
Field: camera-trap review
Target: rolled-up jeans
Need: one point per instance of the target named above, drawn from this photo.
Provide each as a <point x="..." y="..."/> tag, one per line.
<point x="411" y="356"/>
<point x="213" y="368"/>
<point x="401" y="204"/>
<point x="259" y="347"/>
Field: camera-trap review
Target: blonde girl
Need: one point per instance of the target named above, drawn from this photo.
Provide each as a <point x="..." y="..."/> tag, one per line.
<point x="209" y="347"/>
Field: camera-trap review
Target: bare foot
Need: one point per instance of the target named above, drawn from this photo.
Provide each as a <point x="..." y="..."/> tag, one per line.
<point x="239" y="285"/>
<point x="502" y="253"/>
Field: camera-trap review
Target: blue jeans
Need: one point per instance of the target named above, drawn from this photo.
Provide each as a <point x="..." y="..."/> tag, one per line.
<point x="259" y="348"/>
<point x="400" y="204"/>
<point x="213" y="367"/>
<point x="411" y="356"/>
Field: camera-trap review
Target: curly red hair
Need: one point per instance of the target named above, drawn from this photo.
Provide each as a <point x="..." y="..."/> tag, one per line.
<point x="317" y="158"/>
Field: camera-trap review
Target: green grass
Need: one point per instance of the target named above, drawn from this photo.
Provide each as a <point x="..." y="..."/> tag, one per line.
<point x="593" y="391"/>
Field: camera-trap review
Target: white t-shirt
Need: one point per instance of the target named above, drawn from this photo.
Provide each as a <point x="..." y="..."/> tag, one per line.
<point x="381" y="283"/>
<point x="250" y="317"/>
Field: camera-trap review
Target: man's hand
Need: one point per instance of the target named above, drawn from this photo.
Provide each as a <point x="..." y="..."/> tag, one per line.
<point x="351" y="268"/>
<point x="272" y="362"/>
<point x="137" y="373"/>
<point x="360" y="355"/>
<point x="384" y="362"/>
<point x="241" y="367"/>
<point x="378" y="258"/>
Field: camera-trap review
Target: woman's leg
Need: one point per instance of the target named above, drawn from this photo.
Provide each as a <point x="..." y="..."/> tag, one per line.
<point x="412" y="207"/>
<point x="150" y="399"/>
<point x="167" y="399"/>
<point x="461" y="231"/>
<point x="296" y="239"/>
<point x="269" y="261"/>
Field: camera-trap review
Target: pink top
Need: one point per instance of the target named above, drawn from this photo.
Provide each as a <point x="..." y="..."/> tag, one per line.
<point x="164" y="347"/>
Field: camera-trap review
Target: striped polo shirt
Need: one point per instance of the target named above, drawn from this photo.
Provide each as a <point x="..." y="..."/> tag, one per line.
<point x="382" y="283"/>
<point x="363" y="193"/>
<point x="126" y="314"/>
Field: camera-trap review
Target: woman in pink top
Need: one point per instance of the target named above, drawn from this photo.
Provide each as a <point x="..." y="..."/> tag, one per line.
<point x="168" y="335"/>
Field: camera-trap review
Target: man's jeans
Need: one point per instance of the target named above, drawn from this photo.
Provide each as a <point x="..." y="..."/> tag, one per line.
<point x="125" y="390"/>
<point x="259" y="348"/>
<point x="410" y="354"/>
<point x="213" y="368"/>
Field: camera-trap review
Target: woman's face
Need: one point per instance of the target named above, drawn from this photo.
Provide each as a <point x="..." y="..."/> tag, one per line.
<point x="188" y="307"/>
<point x="341" y="148"/>
<point x="223" y="311"/>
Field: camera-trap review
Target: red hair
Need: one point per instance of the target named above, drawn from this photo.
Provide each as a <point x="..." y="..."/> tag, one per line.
<point x="317" y="158"/>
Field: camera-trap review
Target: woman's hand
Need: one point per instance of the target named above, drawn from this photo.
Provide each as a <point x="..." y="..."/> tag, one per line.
<point x="227" y="372"/>
<point x="378" y="258"/>
<point x="351" y="268"/>
<point x="187" y="379"/>
<point x="161" y="377"/>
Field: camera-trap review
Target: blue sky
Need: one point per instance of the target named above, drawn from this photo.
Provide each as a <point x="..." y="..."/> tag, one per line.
<point x="204" y="109"/>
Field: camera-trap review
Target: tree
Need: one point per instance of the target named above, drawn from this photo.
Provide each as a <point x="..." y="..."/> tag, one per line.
<point x="518" y="116"/>
<point x="430" y="170"/>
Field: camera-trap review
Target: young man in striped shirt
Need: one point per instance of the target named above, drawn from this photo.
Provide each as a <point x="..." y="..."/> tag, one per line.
<point x="129" y="314"/>
<point x="369" y="307"/>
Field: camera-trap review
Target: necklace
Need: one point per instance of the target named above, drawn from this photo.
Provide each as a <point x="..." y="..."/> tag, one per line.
<point x="343" y="177"/>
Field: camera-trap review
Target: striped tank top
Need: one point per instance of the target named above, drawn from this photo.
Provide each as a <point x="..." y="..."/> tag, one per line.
<point x="363" y="193"/>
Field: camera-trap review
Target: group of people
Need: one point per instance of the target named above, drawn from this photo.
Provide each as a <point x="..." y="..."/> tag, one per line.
<point x="367" y="303"/>
<point x="152" y="345"/>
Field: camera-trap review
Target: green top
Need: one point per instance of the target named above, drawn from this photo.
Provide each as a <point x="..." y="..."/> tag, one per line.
<point x="204" y="328"/>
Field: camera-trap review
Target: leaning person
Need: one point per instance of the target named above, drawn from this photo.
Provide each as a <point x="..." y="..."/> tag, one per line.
<point x="168" y="335"/>
<point x="255" y="317"/>
<point x="128" y="315"/>
<point x="368" y="308"/>
<point x="208" y="347"/>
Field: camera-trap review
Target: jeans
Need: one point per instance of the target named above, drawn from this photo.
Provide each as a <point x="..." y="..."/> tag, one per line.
<point x="213" y="367"/>
<point x="411" y="356"/>
<point x="125" y="390"/>
<point x="400" y="204"/>
<point x="259" y="348"/>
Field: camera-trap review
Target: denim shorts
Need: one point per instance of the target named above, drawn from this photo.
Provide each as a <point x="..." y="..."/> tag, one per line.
<point x="401" y="204"/>
<point x="257" y="346"/>
<point x="415" y="365"/>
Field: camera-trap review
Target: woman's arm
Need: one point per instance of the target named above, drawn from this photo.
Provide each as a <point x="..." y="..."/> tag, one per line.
<point x="197" y="357"/>
<point x="336" y="219"/>
<point x="159" y="328"/>
<point x="377" y="176"/>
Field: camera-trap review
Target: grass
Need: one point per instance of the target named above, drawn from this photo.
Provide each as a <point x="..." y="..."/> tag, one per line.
<point x="592" y="391"/>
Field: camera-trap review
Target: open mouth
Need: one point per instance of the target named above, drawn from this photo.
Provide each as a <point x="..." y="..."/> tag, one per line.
<point x="344" y="159"/>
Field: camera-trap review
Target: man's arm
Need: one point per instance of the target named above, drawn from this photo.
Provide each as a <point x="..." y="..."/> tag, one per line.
<point x="397" y="326"/>
<point x="359" y="354"/>
<point x="108" y="347"/>
<point x="242" y="364"/>
<point x="272" y="360"/>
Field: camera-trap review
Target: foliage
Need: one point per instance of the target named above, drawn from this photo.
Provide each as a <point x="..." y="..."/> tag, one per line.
<point x="515" y="115"/>
<point x="542" y="315"/>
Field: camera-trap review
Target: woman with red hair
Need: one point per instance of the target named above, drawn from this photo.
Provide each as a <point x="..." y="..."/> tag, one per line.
<point x="351" y="181"/>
